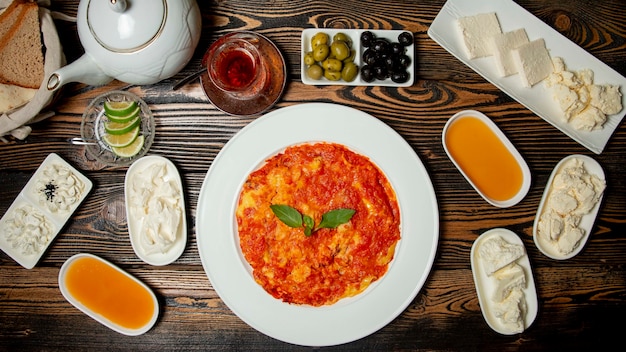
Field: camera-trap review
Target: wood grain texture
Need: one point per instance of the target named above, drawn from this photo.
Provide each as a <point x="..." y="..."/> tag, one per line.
<point x="578" y="298"/>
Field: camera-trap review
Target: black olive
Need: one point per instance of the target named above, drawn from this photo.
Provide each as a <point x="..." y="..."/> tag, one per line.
<point x="367" y="74"/>
<point x="405" y="38"/>
<point x="397" y="48"/>
<point x="367" y="38"/>
<point x="391" y="62"/>
<point x="404" y="61"/>
<point x="370" y="56"/>
<point x="381" y="72"/>
<point x="400" y="77"/>
<point x="381" y="45"/>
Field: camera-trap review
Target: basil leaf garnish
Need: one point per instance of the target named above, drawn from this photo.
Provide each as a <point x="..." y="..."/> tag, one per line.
<point x="335" y="218"/>
<point x="288" y="215"/>
<point x="291" y="217"/>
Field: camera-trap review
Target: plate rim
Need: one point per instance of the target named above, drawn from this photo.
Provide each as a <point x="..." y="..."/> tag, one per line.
<point x="343" y="327"/>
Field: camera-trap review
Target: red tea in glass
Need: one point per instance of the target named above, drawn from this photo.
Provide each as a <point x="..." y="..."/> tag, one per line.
<point x="236" y="66"/>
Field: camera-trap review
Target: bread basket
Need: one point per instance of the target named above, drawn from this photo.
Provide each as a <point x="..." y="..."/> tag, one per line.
<point x="14" y="122"/>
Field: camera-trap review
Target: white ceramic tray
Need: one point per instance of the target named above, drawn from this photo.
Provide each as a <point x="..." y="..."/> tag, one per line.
<point x="538" y="99"/>
<point x="355" y="36"/>
<point x="28" y="197"/>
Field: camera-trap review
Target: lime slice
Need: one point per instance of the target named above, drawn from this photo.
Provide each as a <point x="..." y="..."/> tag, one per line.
<point x="124" y="118"/>
<point x="121" y="140"/>
<point x="130" y="150"/>
<point x="121" y="127"/>
<point x="119" y="108"/>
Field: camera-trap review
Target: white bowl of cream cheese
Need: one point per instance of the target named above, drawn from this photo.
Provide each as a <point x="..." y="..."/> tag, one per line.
<point x="155" y="210"/>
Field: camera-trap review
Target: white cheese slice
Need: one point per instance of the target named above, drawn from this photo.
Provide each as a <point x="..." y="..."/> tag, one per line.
<point x="533" y="62"/>
<point x="501" y="46"/>
<point x="476" y="31"/>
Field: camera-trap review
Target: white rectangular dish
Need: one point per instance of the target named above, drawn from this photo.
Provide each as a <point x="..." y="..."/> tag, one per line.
<point x="31" y="223"/>
<point x="538" y="99"/>
<point x="355" y="36"/>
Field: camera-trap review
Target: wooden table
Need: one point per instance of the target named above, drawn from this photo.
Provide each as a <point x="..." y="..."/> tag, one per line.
<point x="581" y="300"/>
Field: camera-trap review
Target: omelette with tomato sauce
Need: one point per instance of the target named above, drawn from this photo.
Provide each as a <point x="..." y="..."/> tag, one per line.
<point x="331" y="263"/>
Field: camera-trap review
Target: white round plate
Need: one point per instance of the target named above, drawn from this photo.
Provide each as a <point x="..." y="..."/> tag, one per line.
<point x="350" y="318"/>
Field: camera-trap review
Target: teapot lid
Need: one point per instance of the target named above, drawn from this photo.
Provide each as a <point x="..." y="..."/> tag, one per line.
<point x="124" y="25"/>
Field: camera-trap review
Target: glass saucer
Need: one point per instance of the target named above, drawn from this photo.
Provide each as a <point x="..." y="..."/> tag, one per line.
<point x="92" y="128"/>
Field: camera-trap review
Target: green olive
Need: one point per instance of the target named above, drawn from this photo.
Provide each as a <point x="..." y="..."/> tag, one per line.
<point x="309" y="59"/>
<point x="349" y="71"/>
<point x="342" y="37"/>
<point x="332" y="75"/>
<point x="351" y="57"/>
<point x="319" y="39"/>
<point x="320" y="53"/>
<point x="315" y="71"/>
<point x="340" y="50"/>
<point x="332" y="65"/>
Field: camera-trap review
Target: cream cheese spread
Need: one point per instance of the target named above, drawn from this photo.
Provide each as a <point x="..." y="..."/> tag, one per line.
<point x="584" y="104"/>
<point x="574" y="193"/>
<point x="58" y="188"/>
<point x="28" y="230"/>
<point x="155" y="203"/>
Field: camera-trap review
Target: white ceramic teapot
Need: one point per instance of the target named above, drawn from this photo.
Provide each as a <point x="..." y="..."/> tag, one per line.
<point x="134" y="41"/>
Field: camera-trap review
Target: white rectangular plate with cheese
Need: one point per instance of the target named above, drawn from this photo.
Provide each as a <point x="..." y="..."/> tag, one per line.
<point x="538" y="99"/>
<point x="27" y="200"/>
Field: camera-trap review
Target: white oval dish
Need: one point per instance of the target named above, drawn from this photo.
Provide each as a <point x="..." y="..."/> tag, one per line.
<point x="355" y="36"/>
<point x="586" y="222"/>
<point x="96" y="316"/>
<point x="508" y="145"/>
<point x="135" y="219"/>
<point x="485" y="285"/>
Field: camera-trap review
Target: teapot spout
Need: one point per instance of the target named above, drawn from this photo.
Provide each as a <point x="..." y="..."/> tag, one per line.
<point x="83" y="70"/>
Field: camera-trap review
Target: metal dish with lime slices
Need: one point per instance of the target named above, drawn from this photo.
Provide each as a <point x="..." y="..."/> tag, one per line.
<point x="122" y="126"/>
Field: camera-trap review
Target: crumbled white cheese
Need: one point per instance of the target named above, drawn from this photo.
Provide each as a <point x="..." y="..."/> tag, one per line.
<point x="475" y="30"/>
<point x="509" y="278"/>
<point x="59" y="188"/>
<point x="499" y="262"/>
<point x="574" y="193"/>
<point x="511" y="311"/>
<point x="496" y="253"/>
<point x="28" y="230"/>
<point x="584" y="104"/>
<point x="156" y="202"/>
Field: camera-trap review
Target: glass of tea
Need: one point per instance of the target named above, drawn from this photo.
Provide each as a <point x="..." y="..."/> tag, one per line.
<point x="236" y="66"/>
